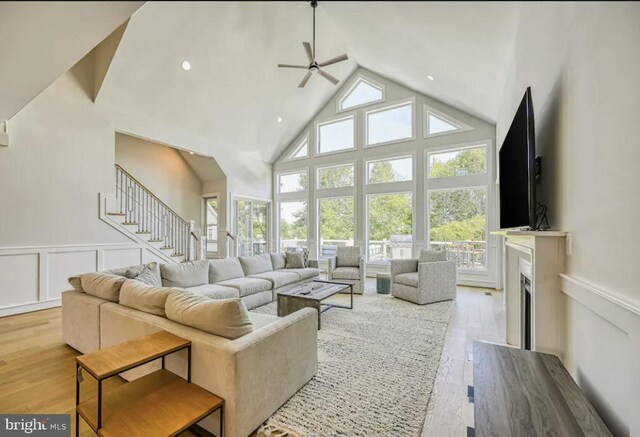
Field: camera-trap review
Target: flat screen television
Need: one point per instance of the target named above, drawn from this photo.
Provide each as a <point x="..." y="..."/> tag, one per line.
<point x="517" y="163"/>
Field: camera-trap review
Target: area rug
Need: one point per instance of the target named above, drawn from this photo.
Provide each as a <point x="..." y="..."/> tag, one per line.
<point x="377" y="365"/>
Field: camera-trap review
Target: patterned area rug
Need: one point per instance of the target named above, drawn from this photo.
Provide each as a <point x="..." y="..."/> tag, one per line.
<point x="377" y="365"/>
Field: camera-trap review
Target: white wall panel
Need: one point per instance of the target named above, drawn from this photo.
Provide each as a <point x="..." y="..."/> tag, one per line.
<point x="61" y="265"/>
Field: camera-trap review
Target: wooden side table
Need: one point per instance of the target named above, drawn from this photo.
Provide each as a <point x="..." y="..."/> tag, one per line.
<point x="159" y="404"/>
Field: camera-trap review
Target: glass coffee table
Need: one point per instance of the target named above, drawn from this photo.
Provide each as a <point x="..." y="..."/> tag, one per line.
<point x="312" y="294"/>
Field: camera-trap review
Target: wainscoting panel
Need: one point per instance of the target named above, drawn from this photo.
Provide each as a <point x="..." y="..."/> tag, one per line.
<point x="19" y="279"/>
<point x="33" y="278"/>
<point x="61" y="265"/>
<point x="115" y="258"/>
<point x="602" y="352"/>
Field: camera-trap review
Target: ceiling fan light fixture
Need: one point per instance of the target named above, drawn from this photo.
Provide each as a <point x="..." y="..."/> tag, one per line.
<point x="314" y="69"/>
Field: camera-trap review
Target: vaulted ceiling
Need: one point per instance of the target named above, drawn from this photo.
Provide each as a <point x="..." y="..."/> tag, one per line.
<point x="228" y="104"/>
<point x="234" y="93"/>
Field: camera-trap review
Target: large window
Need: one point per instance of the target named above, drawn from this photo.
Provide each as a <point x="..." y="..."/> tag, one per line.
<point x="390" y="170"/>
<point x="389" y="124"/>
<point x="336" y="135"/>
<point x="336" y="224"/>
<point x="457" y="220"/>
<point x="460" y="162"/>
<point x="292" y="182"/>
<point x="251" y="227"/>
<point x="293" y="225"/>
<point x="336" y="176"/>
<point x="390" y="226"/>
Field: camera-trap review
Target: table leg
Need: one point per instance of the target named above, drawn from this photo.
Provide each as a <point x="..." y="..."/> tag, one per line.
<point x="77" y="399"/>
<point x="319" y="309"/>
<point x="222" y="420"/>
<point x="99" y="404"/>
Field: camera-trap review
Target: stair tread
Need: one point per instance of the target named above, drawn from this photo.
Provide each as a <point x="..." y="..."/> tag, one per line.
<point x="155" y="241"/>
<point x="178" y="254"/>
<point x="143" y="232"/>
<point x="130" y="223"/>
<point x="116" y="213"/>
<point x="167" y="247"/>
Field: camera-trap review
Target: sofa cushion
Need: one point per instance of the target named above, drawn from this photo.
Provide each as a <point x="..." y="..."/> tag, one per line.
<point x="227" y="318"/>
<point x="253" y="265"/>
<point x="294" y="260"/>
<point x="150" y="275"/>
<point x="410" y="279"/>
<point x="146" y="298"/>
<point x="429" y="256"/>
<point x="307" y="273"/>
<point x="102" y="285"/>
<point x="278" y="261"/>
<point x="187" y="274"/>
<point x="279" y="279"/>
<point x="348" y="256"/>
<point x="247" y="286"/>
<point x="214" y="291"/>
<point x="346" y="273"/>
<point x="223" y="269"/>
<point x="127" y="272"/>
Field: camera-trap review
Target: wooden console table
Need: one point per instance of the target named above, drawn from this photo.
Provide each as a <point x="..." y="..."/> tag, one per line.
<point x="522" y="393"/>
<point x="159" y="404"/>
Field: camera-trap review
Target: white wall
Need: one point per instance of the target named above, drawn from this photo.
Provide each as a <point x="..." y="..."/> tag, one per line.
<point x="164" y="172"/>
<point x="582" y="63"/>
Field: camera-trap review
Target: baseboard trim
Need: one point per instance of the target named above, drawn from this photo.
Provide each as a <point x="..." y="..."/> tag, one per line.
<point x="612" y="307"/>
<point x="29" y="307"/>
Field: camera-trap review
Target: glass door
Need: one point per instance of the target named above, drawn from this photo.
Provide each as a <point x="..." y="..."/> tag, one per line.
<point x="211" y="225"/>
<point x="252" y="227"/>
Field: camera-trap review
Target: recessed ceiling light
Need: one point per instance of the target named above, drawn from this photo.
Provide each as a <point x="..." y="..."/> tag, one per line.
<point x="279" y="120"/>
<point x="430" y="77"/>
<point x="185" y="65"/>
<point x="190" y="153"/>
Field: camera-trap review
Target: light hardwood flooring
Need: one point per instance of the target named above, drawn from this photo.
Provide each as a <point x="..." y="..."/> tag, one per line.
<point x="37" y="368"/>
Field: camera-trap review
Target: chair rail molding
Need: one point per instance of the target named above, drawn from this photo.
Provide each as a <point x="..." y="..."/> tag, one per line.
<point x="616" y="309"/>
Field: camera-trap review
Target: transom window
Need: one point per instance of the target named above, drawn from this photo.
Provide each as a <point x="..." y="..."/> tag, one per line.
<point x="336" y="135"/>
<point x="362" y="92"/>
<point x="390" y="170"/>
<point x="389" y="124"/>
<point x="460" y="162"/>
<point x="292" y="182"/>
<point x="436" y="123"/>
<point x="337" y="176"/>
<point x="301" y="150"/>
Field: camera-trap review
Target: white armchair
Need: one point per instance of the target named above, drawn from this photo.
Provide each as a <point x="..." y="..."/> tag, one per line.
<point x="348" y="264"/>
<point x="431" y="278"/>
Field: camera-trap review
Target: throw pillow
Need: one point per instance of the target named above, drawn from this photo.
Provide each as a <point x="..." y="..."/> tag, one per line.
<point x="187" y="274"/>
<point x="102" y="285"/>
<point x="294" y="260"/>
<point x="140" y="296"/>
<point x="227" y="318"/>
<point x="150" y="275"/>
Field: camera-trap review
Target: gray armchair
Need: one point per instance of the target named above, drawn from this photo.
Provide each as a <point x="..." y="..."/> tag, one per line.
<point x="431" y="278"/>
<point x="348" y="264"/>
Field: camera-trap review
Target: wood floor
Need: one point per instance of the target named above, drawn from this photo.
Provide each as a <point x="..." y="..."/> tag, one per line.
<point x="37" y="368"/>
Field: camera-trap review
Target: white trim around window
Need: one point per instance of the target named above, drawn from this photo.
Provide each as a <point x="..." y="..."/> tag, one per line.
<point x="278" y="175"/>
<point x="305" y="137"/>
<point x="388" y="107"/>
<point x="461" y="126"/>
<point x="318" y="126"/>
<point x="352" y="85"/>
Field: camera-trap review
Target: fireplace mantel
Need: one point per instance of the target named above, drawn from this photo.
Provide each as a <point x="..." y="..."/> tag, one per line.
<point x="541" y="255"/>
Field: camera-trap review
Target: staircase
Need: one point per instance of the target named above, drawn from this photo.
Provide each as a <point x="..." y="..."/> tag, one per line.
<point x="143" y="217"/>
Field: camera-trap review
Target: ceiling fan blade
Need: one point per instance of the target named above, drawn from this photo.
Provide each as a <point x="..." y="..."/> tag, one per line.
<point x="335" y="60"/>
<point x="305" y="79"/>
<point x="307" y="49"/>
<point x="293" y="66"/>
<point x="327" y="76"/>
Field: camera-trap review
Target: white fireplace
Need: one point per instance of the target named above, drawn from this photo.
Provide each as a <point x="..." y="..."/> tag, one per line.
<point x="533" y="301"/>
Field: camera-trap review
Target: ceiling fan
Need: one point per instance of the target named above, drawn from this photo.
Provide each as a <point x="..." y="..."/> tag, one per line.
<point x="314" y="66"/>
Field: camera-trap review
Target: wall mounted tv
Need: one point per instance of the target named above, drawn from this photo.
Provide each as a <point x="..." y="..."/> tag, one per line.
<point x="517" y="163"/>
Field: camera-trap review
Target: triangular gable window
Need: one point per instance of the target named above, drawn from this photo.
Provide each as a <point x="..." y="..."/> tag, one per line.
<point x="301" y="151"/>
<point x="362" y="92"/>
<point x="437" y="123"/>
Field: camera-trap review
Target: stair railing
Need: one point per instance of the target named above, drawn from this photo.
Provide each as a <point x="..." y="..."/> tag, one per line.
<point x="140" y="206"/>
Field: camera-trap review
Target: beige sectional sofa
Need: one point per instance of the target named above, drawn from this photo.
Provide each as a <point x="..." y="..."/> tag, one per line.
<point x="255" y="373"/>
